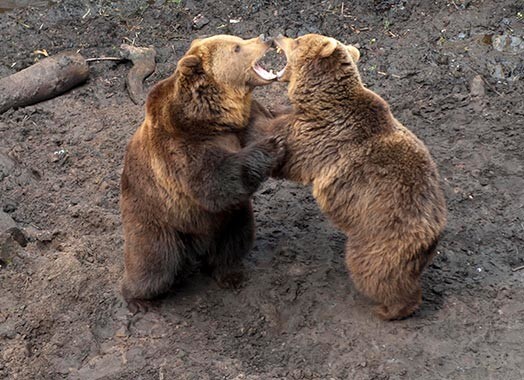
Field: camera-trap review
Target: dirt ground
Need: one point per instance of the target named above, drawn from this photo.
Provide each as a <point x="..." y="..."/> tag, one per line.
<point x="452" y="72"/>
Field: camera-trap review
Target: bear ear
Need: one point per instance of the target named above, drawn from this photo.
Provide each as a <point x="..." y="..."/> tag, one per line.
<point x="353" y="52"/>
<point x="328" y="47"/>
<point x="189" y="64"/>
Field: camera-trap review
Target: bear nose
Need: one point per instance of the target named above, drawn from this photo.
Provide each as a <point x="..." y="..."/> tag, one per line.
<point x="278" y="38"/>
<point x="264" y="39"/>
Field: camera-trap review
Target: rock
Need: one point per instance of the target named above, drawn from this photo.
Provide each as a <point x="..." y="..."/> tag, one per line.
<point x="476" y="87"/>
<point x="136" y="356"/>
<point x="98" y="367"/>
<point x="505" y="22"/>
<point x="462" y="35"/>
<point x="6" y="222"/>
<point x="507" y="43"/>
<point x="497" y="71"/>
<point x="122" y="332"/>
<point x="8" y="330"/>
<point x="9" y="248"/>
<point x="6" y="165"/>
<point x="199" y="21"/>
<point x="292" y="33"/>
<point x="10" y="206"/>
<point x="41" y="236"/>
<point x="442" y="59"/>
<point x="18" y="235"/>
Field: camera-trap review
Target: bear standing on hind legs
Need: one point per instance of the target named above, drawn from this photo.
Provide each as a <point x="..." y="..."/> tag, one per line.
<point x="187" y="179"/>
<point x="370" y="175"/>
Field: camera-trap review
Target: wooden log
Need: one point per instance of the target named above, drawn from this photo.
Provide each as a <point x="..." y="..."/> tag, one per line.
<point x="46" y="79"/>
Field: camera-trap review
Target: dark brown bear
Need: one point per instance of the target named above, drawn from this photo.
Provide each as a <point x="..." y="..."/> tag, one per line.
<point x="372" y="177"/>
<point x="187" y="181"/>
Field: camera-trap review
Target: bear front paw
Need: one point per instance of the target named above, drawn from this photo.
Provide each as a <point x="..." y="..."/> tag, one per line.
<point x="229" y="280"/>
<point x="277" y="149"/>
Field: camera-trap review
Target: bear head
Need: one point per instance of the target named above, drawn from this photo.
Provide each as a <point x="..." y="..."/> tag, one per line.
<point x="211" y="88"/>
<point x="315" y="58"/>
<point x="229" y="60"/>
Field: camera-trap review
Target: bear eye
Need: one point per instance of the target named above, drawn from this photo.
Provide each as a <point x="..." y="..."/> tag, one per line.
<point x="237" y="48"/>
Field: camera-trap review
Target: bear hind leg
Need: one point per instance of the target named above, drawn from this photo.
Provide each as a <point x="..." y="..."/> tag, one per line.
<point x="391" y="283"/>
<point x="400" y="310"/>
<point x="235" y="240"/>
<point x="152" y="262"/>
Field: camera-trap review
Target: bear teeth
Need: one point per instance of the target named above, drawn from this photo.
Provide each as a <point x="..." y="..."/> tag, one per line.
<point x="263" y="73"/>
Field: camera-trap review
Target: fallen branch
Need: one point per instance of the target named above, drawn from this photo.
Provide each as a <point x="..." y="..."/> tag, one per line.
<point x="105" y="59"/>
<point x="143" y="65"/>
<point x="518" y="268"/>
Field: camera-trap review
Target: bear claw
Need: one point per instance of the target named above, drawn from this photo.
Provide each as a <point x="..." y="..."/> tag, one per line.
<point x="231" y="280"/>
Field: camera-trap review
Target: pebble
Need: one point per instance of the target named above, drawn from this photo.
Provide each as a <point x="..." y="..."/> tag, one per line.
<point x="7" y="331"/>
<point x="6" y="222"/>
<point x="476" y="87"/>
<point x="507" y="43"/>
<point x="10" y="206"/>
<point x="122" y="332"/>
<point x="199" y="21"/>
<point x="8" y="249"/>
<point x="18" y="235"/>
<point x="497" y="71"/>
<point x="6" y="166"/>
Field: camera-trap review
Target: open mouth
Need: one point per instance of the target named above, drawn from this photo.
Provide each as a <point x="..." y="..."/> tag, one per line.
<point x="281" y="52"/>
<point x="263" y="73"/>
<point x="270" y="59"/>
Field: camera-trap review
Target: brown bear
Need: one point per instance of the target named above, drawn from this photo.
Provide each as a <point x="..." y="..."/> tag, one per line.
<point x="187" y="181"/>
<point x="370" y="175"/>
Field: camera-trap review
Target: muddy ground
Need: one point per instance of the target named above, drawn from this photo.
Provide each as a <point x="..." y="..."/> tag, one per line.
<point x="298" y="315"/>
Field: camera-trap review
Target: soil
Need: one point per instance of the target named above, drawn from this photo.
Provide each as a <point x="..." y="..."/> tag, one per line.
<point x="452" y="72"/>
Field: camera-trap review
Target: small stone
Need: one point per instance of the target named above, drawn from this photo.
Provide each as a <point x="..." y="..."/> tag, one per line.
<point x="136" y="355"/>
<point x="442" y="59"/>
<point x="497" y="71"/>
<point x="505" y="22"/>
<point x="8" y="249"/>
<point x="199" y="21"/>
<point x="18" y="235"/>
<point x="6" y="222"/>
<point x="462" y="35"/>
<point x="508" y="43"/>
<point x="28" y="349"/>
<point x="7" y="331"/>
<point x="10" y="206"/>
<point x="181" y="354"/>
<point x="6" y="165"/>
<point x="122" y="332"/>
<point x="476" y="87"/>
<point x="44" y="236"/>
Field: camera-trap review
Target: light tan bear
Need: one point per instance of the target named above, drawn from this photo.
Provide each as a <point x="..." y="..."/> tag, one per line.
<point x="370" y="175"/>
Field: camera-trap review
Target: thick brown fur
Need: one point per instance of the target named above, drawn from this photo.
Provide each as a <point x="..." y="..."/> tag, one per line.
<point x="372" y="176"/>
<point x="187" y="178"/>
